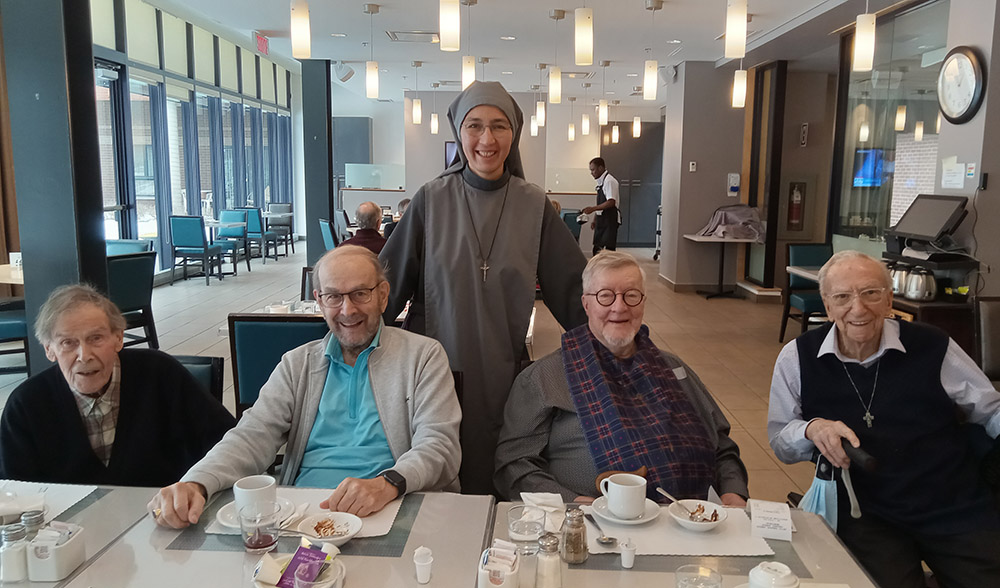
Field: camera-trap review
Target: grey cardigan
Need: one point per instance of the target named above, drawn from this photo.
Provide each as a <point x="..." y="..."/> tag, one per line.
<point x="414" y="393"/>
<point x="542" y="447"/>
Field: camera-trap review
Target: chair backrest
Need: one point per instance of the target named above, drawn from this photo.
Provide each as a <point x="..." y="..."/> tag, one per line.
<point x="208" y="371"/>
<point x="255" y="222"/>
<point x="988" y="321"/>
<point x="187" y="231"/>
<point x="807" y="254"/>
<point x="130" y="280"/>
<point x="307" y="283"/>
<point x="233" y="216"/>
<point x="122" y="246"/>
<point x="280" y="207"/>
<point x="569" y="217"/>
<point x="330" y="239"/>
<point x="342" y="221"/>
<point x="257" y="342"/>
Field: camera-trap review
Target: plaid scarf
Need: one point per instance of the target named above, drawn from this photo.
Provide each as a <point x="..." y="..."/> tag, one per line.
<point x="633" y="413"/>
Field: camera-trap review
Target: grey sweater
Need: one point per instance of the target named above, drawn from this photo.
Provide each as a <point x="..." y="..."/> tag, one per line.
<point x="414" y="393"/>
<point x="542" y="447"/>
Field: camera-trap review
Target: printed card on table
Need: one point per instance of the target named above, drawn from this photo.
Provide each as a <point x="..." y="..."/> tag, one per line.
<point x="770" y="520"/>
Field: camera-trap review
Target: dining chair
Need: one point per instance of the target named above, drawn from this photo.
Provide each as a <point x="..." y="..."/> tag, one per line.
<point x="306" y="285"/>
<point x="232" y="239"/>
<point x="802" y="294"/>
<point x="208" y="371"/>
<point x="256" y="233"/>
<point x="329" y="232"/>
<point x="282" y="227"/>
<point x="188" y="241"/>
<point x="569" y="218"/>
<point x="122" y="246"/>
<point x="257" y="341"/>
<point x="130" y="287"/>
<point x="14" y="327"/>
<point x="341" y="222"/>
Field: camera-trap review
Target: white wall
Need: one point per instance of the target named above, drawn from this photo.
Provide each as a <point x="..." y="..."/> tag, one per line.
<point x="387" y="132"/>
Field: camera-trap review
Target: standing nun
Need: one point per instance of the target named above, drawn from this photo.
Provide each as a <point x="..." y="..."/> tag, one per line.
<point x="467" y="253"/>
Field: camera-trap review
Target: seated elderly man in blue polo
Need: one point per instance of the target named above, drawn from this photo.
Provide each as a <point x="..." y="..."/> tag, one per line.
<point x="369" y="410"/>
<point x="103" y="414"/>
<point x="907" y="394"/>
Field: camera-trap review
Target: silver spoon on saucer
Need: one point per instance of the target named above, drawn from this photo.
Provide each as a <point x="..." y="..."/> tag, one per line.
<point x="603" y="539"/>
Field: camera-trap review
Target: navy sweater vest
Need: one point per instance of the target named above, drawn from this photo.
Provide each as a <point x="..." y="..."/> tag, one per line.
<point x="928" y="478"/>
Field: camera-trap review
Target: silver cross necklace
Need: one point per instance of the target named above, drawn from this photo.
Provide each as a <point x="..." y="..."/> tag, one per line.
<point x="485" y="258"/>
<point x="868" y="418"/>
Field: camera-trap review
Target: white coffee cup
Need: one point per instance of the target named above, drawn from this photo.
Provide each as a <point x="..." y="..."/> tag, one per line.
<point x="772" y="574"/>
<point x="251" y="489"/>
<point x="626" y="495"/>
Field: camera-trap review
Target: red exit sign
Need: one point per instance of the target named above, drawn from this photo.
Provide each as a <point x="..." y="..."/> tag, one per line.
<point x="262" y="43"/>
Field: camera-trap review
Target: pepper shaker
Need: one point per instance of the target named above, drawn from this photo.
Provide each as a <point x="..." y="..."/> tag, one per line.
<point x="574" y="540"/>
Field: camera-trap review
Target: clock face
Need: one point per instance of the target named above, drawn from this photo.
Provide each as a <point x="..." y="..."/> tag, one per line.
<point x="960" y="85"/>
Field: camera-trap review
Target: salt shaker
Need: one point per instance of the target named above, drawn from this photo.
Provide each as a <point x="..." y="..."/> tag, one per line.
<point x="574" y="539"/>
<point x="32" y="521"/>
<point x="548" y="567"/>
<point x="14" y="554"/>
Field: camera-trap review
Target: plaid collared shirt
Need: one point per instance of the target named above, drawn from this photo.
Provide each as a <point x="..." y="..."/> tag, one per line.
<point x="100" y="416"/>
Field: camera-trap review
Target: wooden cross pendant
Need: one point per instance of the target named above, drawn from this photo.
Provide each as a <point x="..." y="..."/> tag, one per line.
<point x="868" y="418"/>
<point x="486" y="268"/>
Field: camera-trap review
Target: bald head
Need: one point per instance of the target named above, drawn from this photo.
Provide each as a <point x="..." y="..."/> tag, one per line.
<point x="331" y="257"/>
<point x="368" y="216"/>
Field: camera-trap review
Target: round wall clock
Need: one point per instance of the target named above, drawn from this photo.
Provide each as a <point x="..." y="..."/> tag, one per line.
<point x="961" y="85"/>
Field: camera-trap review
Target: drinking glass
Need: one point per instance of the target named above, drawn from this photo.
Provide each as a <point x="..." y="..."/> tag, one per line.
<point x="525" y="524"/>
<point x="260" y="523"/>
<point x="332" y="577"/>
<point x="695" y="576"/>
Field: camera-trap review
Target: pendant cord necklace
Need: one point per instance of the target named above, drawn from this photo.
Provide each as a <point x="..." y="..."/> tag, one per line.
<point x="868" y="418"/>
<point x="468" y="207"/>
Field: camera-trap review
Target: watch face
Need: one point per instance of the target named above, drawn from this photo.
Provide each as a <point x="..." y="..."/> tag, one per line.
<point x="960" y="86"/>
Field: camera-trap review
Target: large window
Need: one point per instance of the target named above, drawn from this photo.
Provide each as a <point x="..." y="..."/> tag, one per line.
<point x="106" y="145"/>
<point x="205" y="195"/>
<point x="891" y="125"/>
<point x="144" y="172"/>
<point x="175" y="147"/>
<point x="229" y="163"/>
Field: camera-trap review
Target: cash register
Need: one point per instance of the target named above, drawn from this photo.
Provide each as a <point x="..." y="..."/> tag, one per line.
<point x="924" y="231"/>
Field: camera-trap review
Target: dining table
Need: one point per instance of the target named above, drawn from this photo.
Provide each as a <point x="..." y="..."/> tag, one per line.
<point x="11" y="274"/>
<point x="720" y="291"/>
<point x="809" y="272"/>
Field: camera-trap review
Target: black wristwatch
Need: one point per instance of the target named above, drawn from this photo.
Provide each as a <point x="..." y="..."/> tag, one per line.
<point x="398" y="481"/>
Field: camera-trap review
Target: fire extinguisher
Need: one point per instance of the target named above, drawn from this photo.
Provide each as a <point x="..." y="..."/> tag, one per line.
<point x="795" y="209"/>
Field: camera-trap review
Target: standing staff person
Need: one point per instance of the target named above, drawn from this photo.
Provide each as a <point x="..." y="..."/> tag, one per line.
<point x="467" y="253"/>
<point x="606" y="223"/>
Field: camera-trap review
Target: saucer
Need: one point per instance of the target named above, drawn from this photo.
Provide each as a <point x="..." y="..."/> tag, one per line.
<point x="601" y="509"/>
<point x="228" y="517"/>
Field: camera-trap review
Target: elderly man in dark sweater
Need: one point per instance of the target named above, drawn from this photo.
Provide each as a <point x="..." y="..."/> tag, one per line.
<point x="104" y="415"/>
<point x="368" y="217"/>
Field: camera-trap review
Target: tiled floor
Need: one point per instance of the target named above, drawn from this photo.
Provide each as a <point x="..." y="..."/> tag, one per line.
<point x="730" y="343"/>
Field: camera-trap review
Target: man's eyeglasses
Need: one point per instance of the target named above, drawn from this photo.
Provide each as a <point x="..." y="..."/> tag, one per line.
<point x="476" y="129"/>
<point x="867" y="296"/>
<point x="607" y="297"/>
<point x="336" y="299"/>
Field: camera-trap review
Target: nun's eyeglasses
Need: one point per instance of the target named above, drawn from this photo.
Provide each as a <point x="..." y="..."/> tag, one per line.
<point x="476" y="129"/>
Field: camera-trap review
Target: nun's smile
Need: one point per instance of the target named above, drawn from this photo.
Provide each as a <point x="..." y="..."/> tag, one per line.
<point x="486" y="140"/>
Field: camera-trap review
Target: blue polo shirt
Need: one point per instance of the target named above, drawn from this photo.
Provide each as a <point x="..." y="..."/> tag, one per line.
<point x="347" y="438"/>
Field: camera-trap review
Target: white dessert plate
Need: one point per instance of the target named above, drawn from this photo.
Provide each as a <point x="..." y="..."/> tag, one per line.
<point x="228" y="517"/>
<point x="600" y="507"/>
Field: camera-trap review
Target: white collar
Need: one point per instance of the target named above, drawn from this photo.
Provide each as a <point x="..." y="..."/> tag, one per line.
<point x="890" y="340"/>
<point x="600" y="180"/>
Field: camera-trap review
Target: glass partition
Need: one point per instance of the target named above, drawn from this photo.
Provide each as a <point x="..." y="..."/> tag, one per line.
<point x="375" y="177"/>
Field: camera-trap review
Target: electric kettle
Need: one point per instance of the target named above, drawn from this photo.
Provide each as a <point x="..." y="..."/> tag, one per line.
<point x="920" y="285"/>
<point x="899" y="272"/>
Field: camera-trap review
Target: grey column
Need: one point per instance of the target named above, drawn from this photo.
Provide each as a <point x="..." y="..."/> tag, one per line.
<point x="53" y="114"/>
<point x="317" y="117"/>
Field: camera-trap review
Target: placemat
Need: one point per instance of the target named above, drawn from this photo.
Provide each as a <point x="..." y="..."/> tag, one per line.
<point x="389" y="545"/>
<point x="728" y="566"/>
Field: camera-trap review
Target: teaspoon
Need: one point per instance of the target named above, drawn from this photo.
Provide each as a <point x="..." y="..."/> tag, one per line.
<point x="603" y="539"/>
<point x="694" y="517"/>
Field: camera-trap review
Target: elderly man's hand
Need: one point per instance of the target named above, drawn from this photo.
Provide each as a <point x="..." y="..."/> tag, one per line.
<point x="584" y="500"/>
<point x="361" y="497"/>
<point x="732" y="499"/>
<point x="178" y="505"/>
<point x="826" y="435"/>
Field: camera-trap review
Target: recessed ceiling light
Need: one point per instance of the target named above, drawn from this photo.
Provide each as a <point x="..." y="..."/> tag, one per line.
<point x="673" y="41"/>
<point x="508" y="38"/>
<point x="610" y="93"/>
<point x="507" y="73"/>
<point x="385" y="71"/>
<point x="631" y="75"/>
<point x="340" y="35"/>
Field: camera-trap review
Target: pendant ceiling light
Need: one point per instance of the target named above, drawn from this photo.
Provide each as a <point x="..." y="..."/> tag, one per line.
<point x="636" y="127"/>
<point x="371" y="66"/>
<point x="434" y="115"/>
<point x="863" y="132"/>
<point x="571" y="129"/>
<point x="918" y="131"/>
<point x="740" y="87"/>
<point x="736" y="29"/>
<point x="864" y="42"/>
<point x="450" y="25"/>
<point x="584" y="36"/>
<point x="900" y="117"/>
<point x="585" y="120"/>
<point x="534" y="125"/>
<point x="540" y="104"/>
<point x="417" y="110"/>
<point x="602" y="104"/>
<point x="555" y="72"/>
<point x="649" y="81"/>
<point x="468" y="60"/>
<point x="301" y="35"/>
<point x="937" y="125"/>
<point x="615" y="134"/>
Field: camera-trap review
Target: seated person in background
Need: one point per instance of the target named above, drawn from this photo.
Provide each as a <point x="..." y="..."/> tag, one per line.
<point x="610" y="400"/>
<point x="400" y="209"/>
<point x="369" y="410"/>
<point x="899" y="391"/>
<point x="104" y="415"/>
<point x="369" y="217"/>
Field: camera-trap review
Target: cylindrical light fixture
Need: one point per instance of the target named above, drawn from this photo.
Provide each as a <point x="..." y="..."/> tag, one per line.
<point x="371" y="79"/>
<point x="863" y="133"/>
<point x="901" y="117"/>
<point x="534" y="125"/>
<point x="602" y="112"/>
<point x="864" y="43"/>
<point x="450" y="25"/>
<point x="434" y="123"/>
<point x="614" y="134"/>
<point x="918" y="131"/>
<point x="937" y="125"/>
<point x="736" y="29"/>
<point x="571" y="132"/>
<point x="540" y="112"/>
<point x="636" y="127"/>
<point x="584" y="36"/>
<point x="555" y="84"/>
<point x="585" y="125"/>
<point x="301" y="34"/>
<point x="649" y="80"/>
<point x="418" y="112"/>
<point x="739" y="88"/>
<point x="468" y="70"/>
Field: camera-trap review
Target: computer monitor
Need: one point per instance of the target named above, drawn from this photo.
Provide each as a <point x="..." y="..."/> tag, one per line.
<point x="868" y="168"/>
<point x="930" y="217"/>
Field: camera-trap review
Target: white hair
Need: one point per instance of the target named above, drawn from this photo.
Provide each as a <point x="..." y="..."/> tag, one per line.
<point x="851" y="255"/>
<point x="607" y="260"/>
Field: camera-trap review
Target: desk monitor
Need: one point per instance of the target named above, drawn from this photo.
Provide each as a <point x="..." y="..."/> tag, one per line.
<point x="930" y="217"/>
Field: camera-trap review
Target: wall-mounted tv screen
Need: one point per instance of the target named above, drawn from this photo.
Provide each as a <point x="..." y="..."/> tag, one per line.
<point x="450" y="152"/>
<point x="868" y="164"/>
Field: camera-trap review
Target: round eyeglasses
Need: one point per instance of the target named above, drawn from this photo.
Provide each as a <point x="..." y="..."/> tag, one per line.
<point x="336" y="299"/>
<point x="867" y="296"/>
<point x="607" y="297"/>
